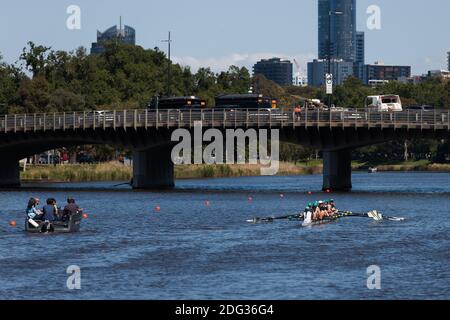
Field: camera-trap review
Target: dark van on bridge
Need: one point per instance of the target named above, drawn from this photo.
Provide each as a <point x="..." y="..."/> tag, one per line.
<point x="245" y="101"/>
<point x="183" y="102"/>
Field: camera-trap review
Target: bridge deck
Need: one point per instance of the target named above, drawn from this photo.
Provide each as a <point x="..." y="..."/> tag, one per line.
<point x="219" y="118"/>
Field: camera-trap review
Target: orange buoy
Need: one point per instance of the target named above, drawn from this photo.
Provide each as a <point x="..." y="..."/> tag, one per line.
<point x="85" y="216"/>
<point x="207" y="203"/>
<point x="328" y="190"/>
<point x="157" y="208"/>
<point x="13" y="223"/>
<point x="309" y="193"/>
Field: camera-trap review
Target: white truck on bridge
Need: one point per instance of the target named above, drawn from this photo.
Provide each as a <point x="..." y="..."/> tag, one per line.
<point x="385" y="103"/>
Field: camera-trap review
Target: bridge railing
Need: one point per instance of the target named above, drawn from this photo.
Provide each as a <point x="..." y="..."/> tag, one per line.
<point x="145" y="118"/>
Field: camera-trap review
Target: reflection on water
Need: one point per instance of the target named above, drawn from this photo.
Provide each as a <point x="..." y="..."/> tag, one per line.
<point x="190" y="250"/>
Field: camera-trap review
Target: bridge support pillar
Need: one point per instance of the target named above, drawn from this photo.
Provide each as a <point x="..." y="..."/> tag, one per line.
<point x="337" y="170"/>
<point x="9" y="173"/>
<point x="153" y="169"/>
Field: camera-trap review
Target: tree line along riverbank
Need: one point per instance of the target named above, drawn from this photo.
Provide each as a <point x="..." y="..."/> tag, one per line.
<point x="115" y="171"/>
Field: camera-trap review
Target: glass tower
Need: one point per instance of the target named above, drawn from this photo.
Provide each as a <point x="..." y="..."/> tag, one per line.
<point x="448" y="61"/>
<point x="343" y="29"/>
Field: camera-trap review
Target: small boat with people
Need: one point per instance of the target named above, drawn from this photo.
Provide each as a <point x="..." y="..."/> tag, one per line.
<point x="373" y="170"/>
<point x="52" y="219"/>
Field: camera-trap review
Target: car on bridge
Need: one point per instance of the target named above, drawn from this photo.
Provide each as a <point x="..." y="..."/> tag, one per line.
<point x="419" y="108"/>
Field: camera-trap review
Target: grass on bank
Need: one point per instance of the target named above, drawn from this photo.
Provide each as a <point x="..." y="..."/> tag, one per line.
<point x="114" y="171"/>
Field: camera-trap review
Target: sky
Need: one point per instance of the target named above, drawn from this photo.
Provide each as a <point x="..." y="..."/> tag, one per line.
<point x="217" y="34"/>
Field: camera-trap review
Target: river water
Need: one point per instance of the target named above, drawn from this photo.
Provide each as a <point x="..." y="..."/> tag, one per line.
<point x="192" y="249"/>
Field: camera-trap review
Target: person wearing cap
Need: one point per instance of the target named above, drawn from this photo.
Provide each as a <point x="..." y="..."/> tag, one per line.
<point x="317" y="209"/>
<point x="322" y="210"/>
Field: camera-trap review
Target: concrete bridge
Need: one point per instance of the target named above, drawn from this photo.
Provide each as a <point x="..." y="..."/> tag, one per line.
<point x="148" y="133"/>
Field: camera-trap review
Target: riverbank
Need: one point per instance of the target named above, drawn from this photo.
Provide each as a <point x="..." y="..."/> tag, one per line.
<point x="114" y="171"/>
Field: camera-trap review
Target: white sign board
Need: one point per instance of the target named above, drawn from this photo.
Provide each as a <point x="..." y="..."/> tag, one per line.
<point x="329" y="83"/>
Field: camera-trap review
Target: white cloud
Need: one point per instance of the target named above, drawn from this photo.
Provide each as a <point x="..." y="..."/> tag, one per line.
<point x="241" y="60"/>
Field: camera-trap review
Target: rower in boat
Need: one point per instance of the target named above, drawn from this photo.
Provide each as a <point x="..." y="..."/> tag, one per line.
<point x="331" y="209"/>
<point x="322" y="210"/>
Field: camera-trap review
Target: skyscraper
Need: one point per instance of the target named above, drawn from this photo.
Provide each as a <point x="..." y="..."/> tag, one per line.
<point x="448" y="61"/>
<point x="126" y="35"/>
<point x="343" y="29"/>
<point x="360" y="56"/>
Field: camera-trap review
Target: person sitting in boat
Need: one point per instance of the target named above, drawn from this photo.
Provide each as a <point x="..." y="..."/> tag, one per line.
<point x="50" y="211"/>
<point x="320" y="210"/>
<point x="308" y="215"/>
<point x="70" y="209"/>
<point x="32" y="210"/>
<point x="316" y="210"/>
<point x="331" y="208"/>
<point x="323" y="210"/>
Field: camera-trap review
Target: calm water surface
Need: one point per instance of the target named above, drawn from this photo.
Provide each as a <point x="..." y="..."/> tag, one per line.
<point x="189" y="250"/>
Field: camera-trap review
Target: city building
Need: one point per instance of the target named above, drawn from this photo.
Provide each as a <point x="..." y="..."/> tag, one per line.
<point x="275" y="69"/>
<point x="448" y="60"/>
<point x="126" y="35"/>
<point x="379" y="72"/>
<point x="337" y="33"/>
<point x="343" y="29"/>
<point x="340" y="69"/>
<point x="413" y="79"/>
<point x="360" y="55"/>
<point x="444" y="74"/>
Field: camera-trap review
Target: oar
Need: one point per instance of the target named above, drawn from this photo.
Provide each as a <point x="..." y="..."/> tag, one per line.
<point x="272" y="219"/>
<point x="375" y="215"/>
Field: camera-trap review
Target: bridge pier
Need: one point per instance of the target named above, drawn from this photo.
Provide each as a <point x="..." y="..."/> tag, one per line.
<point x="337" y="170"/>
<point x="9" y="173"/>
<point x="153" y="169"/>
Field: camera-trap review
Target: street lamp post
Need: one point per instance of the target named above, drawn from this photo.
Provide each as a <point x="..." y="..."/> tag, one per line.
<point x="169" y="41"/>
<point x="330" y="13"/>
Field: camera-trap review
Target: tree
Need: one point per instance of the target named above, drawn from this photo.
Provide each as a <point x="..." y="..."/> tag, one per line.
<point x="34" y="95"/>
<point x="35" y="57"/>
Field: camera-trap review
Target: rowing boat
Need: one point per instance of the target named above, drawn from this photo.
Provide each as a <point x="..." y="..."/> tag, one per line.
<point x="375" y="215"/>
<point x="70" y="226"/>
